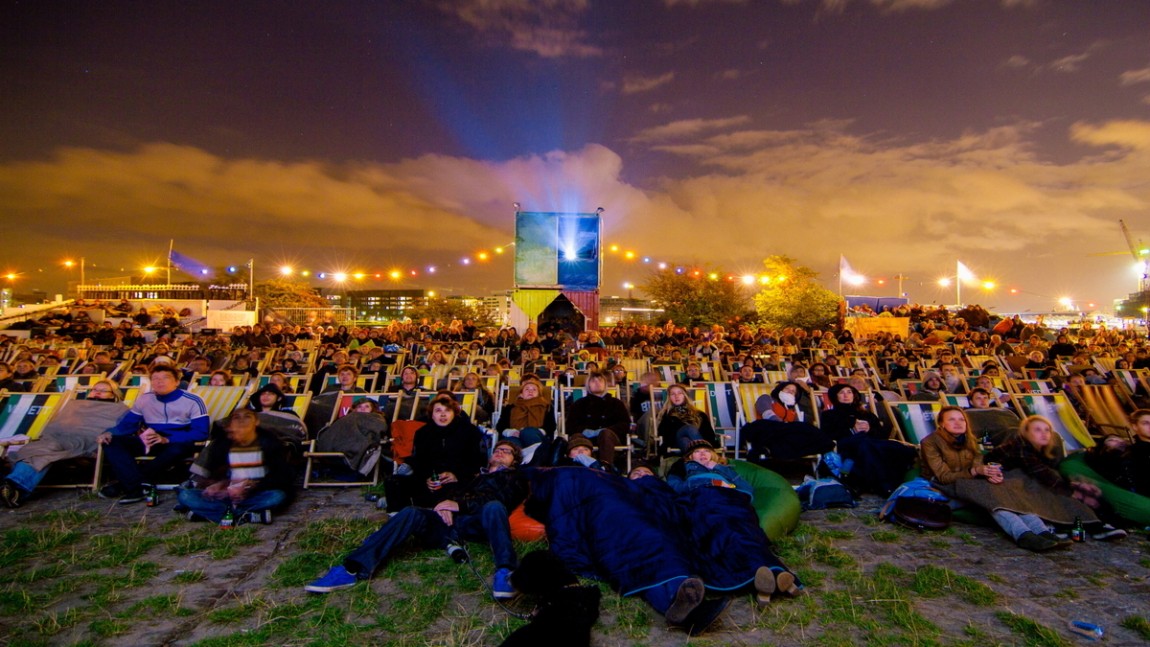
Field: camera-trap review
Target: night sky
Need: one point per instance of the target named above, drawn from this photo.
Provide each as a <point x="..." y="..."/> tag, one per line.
<point x="1011" y="135"/>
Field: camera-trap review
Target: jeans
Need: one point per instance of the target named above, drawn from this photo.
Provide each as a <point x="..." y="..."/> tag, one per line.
<point x="214" y="509"/>
<point x="26" y="477"/>
<point x="685" y="435"/>
<point x="425" y="525"/>
<point x="1016" y="524"/>
<point x="121" y="453"/>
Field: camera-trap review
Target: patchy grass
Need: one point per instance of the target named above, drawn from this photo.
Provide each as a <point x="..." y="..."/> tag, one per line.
<point x="1033" y="633"/>
<point x="1139" y="625"/>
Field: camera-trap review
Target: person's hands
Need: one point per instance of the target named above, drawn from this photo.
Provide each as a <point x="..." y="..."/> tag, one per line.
<point x="217" y="490"/>
<point x="447" y="477"/>
<point x="861" y="426"/>
<point x="104" y="438"/>
<point x="238" y="490"/>
<point x="151" y="438"/>
<point x="992" y="472"/>
<point x="446" y="511"/>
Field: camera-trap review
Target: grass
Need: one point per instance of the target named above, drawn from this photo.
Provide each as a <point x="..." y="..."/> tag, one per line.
<point x="1034" y="634"/>
<point x="88" y="581"/>
<point x="1138" y="625"/>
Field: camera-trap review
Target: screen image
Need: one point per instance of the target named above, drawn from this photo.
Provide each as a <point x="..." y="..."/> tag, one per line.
<point x="557" y="250"/>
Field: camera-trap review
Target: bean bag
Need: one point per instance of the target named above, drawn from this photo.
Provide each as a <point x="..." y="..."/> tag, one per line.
<point x="774" y="499"/>
<point x="1128" y="505"/>
<point x="524" y="528"/>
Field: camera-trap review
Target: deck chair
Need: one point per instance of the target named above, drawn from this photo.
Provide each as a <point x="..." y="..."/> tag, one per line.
<point x="297" y="382"/>
<point x="914" y="421"/>
<point x="1032" y="386"/>
<point x="365" y="382"/>
<point x="1057" y="408"/>
<point x="723" y="405"/>
<point x="1105" y="411"/>
<point x="344" y="403"/>
<point x="25" y="414"/>
<point x="220" y="400"/>
<point x="65" y="383"/>
<point x="568" y="395"/>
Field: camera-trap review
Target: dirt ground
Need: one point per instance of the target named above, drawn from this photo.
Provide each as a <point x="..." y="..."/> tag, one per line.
<point x="862" y="579"/>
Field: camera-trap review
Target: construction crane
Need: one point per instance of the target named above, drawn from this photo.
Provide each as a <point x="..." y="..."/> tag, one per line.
<point x="1140" y="254"/>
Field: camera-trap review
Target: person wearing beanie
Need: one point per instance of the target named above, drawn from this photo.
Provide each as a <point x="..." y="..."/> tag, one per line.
<point x="580" y="452"/>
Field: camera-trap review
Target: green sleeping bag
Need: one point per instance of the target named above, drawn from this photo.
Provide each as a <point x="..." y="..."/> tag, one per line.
<point x="774" y="499"/>
<point x="1127" y="504"/>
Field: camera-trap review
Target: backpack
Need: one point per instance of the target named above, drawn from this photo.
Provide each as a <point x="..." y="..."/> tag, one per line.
<point x="823" y="493"/>
<point x="915" y="504"/>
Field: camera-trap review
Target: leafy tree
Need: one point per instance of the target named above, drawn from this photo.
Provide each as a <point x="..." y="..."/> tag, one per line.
<point x="445" y="310"/>
<point x="794" y="297"/>
<point x="697" y="297"/>
<point x="283" y="292"/>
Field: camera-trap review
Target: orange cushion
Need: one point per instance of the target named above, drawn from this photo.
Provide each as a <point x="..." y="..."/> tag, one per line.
<point x="524" y="528"/>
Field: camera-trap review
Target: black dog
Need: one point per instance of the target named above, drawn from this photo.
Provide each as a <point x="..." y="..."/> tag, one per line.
<point x="566" y="611"/>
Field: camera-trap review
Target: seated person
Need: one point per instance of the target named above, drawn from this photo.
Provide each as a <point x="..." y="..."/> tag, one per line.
<point x="580" y="453"/>
<point x="477" y="512"/>
<point x="447" y="453"/>
<point x="71" y="433"/>
<point x="599" y="416"/>
<point x="680" y="423"/>
<point x="1122" y="462"/>
<point x="871" y="461"/>
<point x="7" y="381"/>
<point x="783" y="432"/>
<point x="245" y="471"/>
<point x="530" y="419"/>
<point x="989" y="422"/>
<point x="931" y="389"/>
<point x="165" y="423"/>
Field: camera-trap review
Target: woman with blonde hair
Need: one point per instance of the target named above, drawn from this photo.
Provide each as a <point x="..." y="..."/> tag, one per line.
<point x="71" y="433"/>
<point x="680" y="423"/>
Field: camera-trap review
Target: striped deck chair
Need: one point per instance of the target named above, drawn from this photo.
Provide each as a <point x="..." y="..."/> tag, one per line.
<point x="343" y="404"/>
<point x="365" y="382"/>
<point x="1128" y="379"/>
<point x="1105" y="411"/>
<point x="298" y="402"/>
<point x="298" y="383"/>
<point x="1031" y="386"/>
<point x="914" y="421"/>
<point x="569" y="394"/>
<point x="71" y="382"/>
<point x="25" y="414"/>
<point x="220" y="400"/>
<point x="1057" y="408"/>
<point x="670" y="373"/>
<point x="723" y="404"/>
<point x="749" y="394"/>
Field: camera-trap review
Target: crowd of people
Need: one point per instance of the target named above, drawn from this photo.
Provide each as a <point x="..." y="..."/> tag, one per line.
<point x="693" y="536"/>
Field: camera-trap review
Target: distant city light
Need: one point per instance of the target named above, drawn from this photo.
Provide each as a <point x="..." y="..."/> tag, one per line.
<point x="944" y="283"/>
<point x="339" y="277"/>
<point x="286" y="270"/>
<point x="394" y="274"/>
<point x="748" y="279"/>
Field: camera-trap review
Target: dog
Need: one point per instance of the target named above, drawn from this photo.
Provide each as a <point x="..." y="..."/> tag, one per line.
<point x="565" y="612"/>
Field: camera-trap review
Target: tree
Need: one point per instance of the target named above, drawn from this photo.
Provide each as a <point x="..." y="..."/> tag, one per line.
<point x="794" y="297"/>
<point x="445" y="310"/>
<point x="283" y="292"/>
<point x="697" y="297"/>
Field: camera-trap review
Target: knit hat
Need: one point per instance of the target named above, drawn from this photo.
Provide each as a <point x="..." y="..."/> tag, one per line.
<point x="698" y="443"/>
<point x="580" y="441"/>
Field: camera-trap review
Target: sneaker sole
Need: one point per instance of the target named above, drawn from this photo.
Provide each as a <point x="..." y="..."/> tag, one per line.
<point x="310" y="588"/>
<point x="504" y="595"/>
<point x="130" y="500"/>
<point x="687" y="597"/>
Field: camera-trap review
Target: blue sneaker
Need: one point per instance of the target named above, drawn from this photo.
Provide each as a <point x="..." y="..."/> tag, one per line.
<point x="501" y="588"/>
<point x="337" y="578"/>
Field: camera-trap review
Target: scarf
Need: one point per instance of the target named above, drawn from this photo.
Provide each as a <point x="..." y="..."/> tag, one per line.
<point x="686" y="415"/>
<point x="529" y="413"/>
<point x="784" y="414"/>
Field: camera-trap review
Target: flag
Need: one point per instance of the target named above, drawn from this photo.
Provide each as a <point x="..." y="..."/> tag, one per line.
<point x="964" y="274"/>
<point x="189" y="265"/>
<point x="847" y="273"/>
